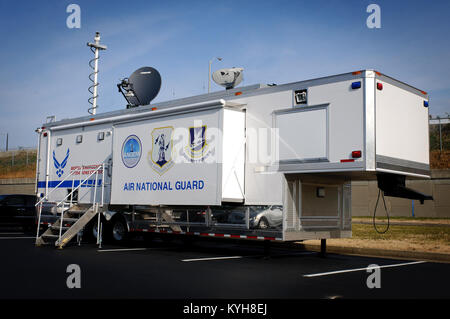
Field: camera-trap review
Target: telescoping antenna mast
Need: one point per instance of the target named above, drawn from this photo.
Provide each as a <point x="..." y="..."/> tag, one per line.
<point x="95" y="48"/>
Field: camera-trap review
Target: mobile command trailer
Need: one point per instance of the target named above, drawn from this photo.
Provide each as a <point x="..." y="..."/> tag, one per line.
<point x="270" y="162"/>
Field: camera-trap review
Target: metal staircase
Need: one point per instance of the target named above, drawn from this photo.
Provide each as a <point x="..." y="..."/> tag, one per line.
<point x="72" y="217"/>
<point x="71" y="222"/>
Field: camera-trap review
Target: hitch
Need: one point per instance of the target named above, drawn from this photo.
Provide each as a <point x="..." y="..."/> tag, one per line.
<point x="394" y="185"/>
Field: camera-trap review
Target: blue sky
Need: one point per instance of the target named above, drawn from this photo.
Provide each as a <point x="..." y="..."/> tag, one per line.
<point x="44" y="65"/>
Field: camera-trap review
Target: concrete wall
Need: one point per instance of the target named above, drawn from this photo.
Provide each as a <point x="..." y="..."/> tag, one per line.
<point x="364" y="197"/>
<point x="17" y="186"/>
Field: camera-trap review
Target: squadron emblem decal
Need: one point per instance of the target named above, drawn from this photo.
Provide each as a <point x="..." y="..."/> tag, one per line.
<point x="162" y="146"/>
<point x="197" y="149"/>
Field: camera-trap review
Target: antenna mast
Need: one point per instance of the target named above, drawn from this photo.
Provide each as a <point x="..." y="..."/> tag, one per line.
<point x="95" y="48"/>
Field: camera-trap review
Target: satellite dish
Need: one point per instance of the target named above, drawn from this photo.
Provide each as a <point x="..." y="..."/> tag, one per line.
<point x="228" y="78"/>
<point x="141" y="87"/>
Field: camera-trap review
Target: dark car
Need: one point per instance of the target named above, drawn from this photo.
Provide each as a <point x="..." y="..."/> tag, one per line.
<point x="18" y="210"/>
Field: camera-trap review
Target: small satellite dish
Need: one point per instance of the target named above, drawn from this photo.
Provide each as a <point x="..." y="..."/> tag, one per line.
<point x="141" y="87"/>
<point x="228" y="78"/>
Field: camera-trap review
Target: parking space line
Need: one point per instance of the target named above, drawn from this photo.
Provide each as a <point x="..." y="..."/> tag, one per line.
<point x="251" y="256"/>
<point x="362" y="269"/>
<point x="215" y="258"/>
<point x="17" y="237"/>
<point x="12" y="233"/>
<point x="133" y="249"/>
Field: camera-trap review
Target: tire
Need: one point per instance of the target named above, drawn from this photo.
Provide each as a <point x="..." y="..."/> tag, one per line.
<point x="118" y="231"/>
<point x="90" y="231"/>
<point x="263" y="223"/>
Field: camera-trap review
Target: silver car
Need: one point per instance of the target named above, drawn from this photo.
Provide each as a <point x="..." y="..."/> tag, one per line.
<point x="266" y="217"/>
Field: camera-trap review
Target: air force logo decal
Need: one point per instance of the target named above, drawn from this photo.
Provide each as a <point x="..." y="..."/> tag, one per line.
<point x="59" y="166"/>
<point x="162" y="146"/>
<point x="197" y="149"/>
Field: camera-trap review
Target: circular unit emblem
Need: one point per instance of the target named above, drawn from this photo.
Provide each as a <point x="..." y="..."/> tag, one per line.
<point x="131" y="151"/>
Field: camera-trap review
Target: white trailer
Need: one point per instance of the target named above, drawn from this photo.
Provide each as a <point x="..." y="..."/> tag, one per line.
<point x="270" y="162"/>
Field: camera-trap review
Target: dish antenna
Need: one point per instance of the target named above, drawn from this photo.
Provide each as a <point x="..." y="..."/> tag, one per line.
<point x="228" y="78"/>
<point x="141" y="87"/>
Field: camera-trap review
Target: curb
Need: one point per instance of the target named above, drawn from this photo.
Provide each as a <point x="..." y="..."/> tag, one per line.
<point x="436" y="257"/>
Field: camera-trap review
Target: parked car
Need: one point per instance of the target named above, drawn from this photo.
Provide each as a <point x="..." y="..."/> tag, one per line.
<point x="261" y="217"/>
<point x="267" y="217"/>
<point x="18" y="210"/>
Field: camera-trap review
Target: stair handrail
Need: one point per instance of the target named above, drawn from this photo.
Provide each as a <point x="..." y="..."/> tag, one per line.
<point x="94" y="204"/>
<point x="65" y="178"/>
<point x="46" y="198"/>
<point x="81" y="183"/>
<point x="74" y="189"/>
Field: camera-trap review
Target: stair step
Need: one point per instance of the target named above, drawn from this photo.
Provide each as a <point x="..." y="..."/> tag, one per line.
<point x="74" y="219"/>
<point x="50" y="236"/>
<point x="57" y="227"/>
<point x="69" y="219"/>
<point x="76" y="211"/>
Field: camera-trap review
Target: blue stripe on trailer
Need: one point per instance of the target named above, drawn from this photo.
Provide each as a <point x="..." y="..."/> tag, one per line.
<point x="68" y="184"/>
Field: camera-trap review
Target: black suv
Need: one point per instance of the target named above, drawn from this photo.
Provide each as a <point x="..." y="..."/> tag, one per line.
<point x="18" y="210"/>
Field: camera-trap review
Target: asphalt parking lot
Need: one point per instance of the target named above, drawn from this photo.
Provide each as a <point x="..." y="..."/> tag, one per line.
<point x="206" y="269"/>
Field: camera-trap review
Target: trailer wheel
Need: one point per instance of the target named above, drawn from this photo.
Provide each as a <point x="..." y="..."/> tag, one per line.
<point x="93" y="231"/>
<point x="90" y="230"/>
<point x="119" y="231"/>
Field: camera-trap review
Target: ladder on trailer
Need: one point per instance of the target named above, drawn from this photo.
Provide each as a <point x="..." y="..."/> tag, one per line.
<point x="72" y="217"/>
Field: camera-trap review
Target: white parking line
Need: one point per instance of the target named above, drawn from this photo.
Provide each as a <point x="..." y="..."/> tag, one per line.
<point x="252" y="256"/>
<point x="17" y="237"/>
<point x="362" y="269"/>
<point x="12" y="233"/>
<point x="214" y="258"/>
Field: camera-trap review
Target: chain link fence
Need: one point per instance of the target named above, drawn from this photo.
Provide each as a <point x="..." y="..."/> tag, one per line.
<point x="17" y="163"/>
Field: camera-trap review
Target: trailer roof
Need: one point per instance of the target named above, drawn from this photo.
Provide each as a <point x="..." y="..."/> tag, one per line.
<point x="239" y="92"/>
